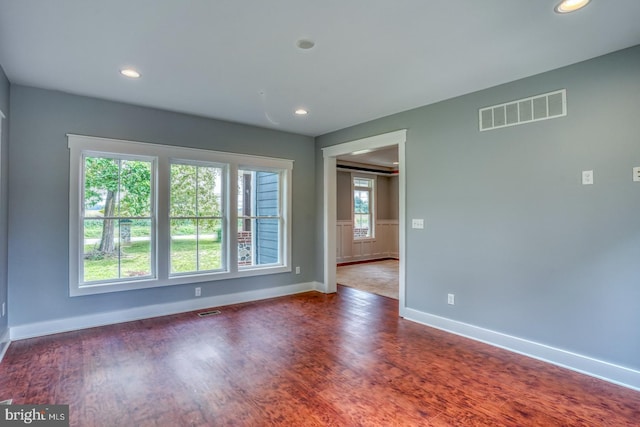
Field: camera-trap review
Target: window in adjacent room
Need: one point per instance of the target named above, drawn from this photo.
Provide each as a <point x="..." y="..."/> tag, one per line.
<point x="363" y="215"/>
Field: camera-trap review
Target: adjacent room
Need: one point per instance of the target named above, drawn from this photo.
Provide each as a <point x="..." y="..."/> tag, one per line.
<point x="344" y="213"/>
<point x="367" y="221"/>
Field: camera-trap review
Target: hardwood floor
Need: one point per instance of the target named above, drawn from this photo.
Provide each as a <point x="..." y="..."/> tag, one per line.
<point x="378" y="277"/>
<point x="306" y="360"/>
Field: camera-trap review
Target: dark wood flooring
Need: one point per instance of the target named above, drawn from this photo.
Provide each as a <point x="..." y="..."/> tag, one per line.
<point x="306" y="360"/>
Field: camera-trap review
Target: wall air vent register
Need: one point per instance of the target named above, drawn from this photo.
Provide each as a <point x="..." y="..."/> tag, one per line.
<point x="540" y="107"/>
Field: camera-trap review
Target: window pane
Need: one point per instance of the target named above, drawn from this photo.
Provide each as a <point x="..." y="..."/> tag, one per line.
<point x="267" y="194"/>
<point x="101" y="250"/>
<point x="116" y="249"/>
<point x="100" y="185"/>
<point x="209" y="191"/>
<point x="135" y="248"/>
<point x="134" y="197"/>
<point x="260" y="246"/>
<point x="183" y="190"/>
<point x="245" y="243"/>
<point x="244" y="205"/>
<point x="196" y="191"/>
<point x="267" y="238"/>
<point x="117" y="242"/>
<point x="184" y="251"/>
<point x="362" y="226"/>
<point x="361" y="182"/>
<point x="209" y="244"/>
<point x="361" y="202"/>
<point x="196" y="245"/>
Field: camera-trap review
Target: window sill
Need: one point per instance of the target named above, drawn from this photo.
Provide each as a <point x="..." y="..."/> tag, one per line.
<point x="102" y="288"/>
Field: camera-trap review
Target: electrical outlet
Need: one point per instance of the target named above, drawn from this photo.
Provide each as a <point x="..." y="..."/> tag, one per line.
<point x="198" y="291"/>
<point x="636" y="174"/>
<point x="587" y="177"/>
<point x="451" y="299"/>
<point x="297" y="270"/>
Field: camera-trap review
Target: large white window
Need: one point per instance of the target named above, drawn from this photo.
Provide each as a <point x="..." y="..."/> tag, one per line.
<point x="145" y="215"/>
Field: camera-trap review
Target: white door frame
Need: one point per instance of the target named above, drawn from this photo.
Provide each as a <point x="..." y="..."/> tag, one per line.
<point x="398" y="138"/>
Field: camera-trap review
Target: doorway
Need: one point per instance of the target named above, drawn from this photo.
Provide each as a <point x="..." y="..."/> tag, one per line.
<point x="330" y="155"/>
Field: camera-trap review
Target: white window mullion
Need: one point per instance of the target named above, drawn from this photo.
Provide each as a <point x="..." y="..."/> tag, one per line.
<point x="163" y="242"/>
<point x="232" y="228"/>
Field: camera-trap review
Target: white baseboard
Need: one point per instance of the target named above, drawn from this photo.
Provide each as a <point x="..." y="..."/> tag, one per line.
<point x="37" y="329"/>
<point x="4" y="343"/>
<point x="610" y="372"/>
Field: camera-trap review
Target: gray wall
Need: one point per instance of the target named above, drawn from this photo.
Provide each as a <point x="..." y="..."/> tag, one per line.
<point x="39" y="201"/>
<point x="387" y="197"/>
<point x="343" y="196"/>
<point x="527" y="250"/>
<point x="4" y="174"/>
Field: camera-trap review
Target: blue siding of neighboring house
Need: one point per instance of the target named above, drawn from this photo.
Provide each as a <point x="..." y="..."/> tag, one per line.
<point x="267" y="229"/>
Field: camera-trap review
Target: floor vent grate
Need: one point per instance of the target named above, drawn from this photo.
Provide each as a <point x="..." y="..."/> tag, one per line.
<point x="209" y="313"/>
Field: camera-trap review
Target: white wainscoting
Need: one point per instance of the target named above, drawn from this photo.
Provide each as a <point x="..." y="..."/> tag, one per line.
<point x="384" y="245"/>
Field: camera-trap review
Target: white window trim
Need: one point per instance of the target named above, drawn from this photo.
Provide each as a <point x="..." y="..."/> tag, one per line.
<point x="79" y="144"/>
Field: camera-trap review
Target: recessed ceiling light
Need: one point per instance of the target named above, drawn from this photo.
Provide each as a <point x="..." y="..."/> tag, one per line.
<point x="567" y="6"/>
<point x="301" y="112"/>
<point x="130" y="72"/>
<point x="305" y="44"/>
<point x="358" y="152"/>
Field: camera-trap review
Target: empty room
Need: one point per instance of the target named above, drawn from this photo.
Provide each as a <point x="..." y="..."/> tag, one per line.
<point x="181" y="182"/>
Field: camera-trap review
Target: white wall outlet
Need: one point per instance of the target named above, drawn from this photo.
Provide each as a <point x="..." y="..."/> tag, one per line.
<point x="451" y="299"/>
<point x="587" y="177"/>
<point x="198" y="291"/>
<point x="297" y="270"/>
<point x="636" y="174"/>
<point x="417" y="223"/>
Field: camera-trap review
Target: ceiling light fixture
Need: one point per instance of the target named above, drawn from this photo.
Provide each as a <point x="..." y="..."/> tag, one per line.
<point x="305" y="44"/>
<point x="365" y="151"/>
<point x="301" y="112"/>
<point x="568" y="6"/>
<point x="130" y="72"/>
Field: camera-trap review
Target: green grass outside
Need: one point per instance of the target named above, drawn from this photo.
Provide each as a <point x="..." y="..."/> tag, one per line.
<point x="136" y="259"/>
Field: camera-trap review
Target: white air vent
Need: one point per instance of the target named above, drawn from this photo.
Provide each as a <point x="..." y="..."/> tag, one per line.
<point x="540" y="107"/>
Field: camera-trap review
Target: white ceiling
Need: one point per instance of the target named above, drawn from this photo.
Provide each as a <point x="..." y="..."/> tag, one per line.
<point x="238" y="60"/>
<point x="381" y="157"/>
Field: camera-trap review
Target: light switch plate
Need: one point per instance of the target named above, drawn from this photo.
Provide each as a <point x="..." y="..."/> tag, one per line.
<point x="417" y="223"/>
<point x="587" y="177"/>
